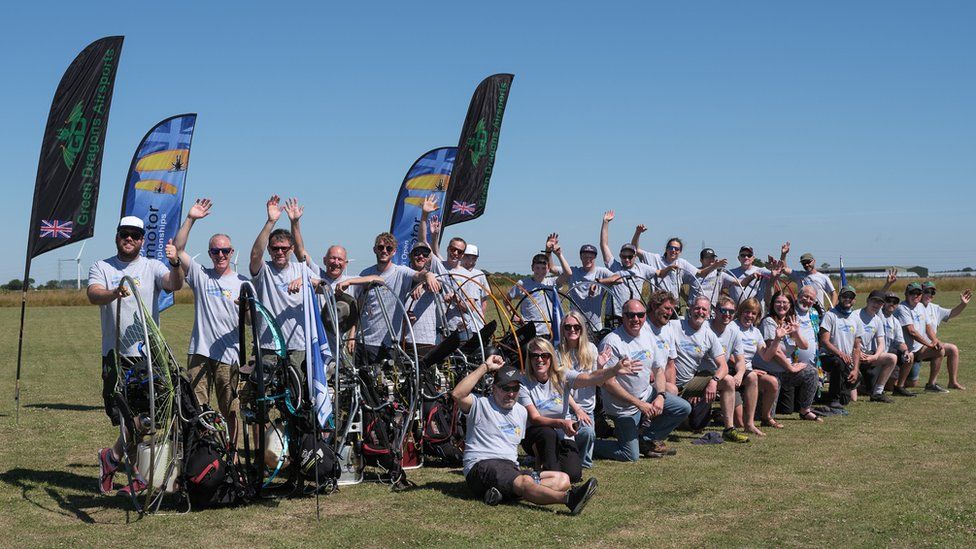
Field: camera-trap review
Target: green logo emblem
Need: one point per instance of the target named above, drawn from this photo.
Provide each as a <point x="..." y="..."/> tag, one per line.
<point x="73" y="135"/>
<point x="478" y="143"/>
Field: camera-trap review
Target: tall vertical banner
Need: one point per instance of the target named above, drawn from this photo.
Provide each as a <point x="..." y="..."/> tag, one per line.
<point x="468" y="193"/>
<point x="429" y="175"/>
<point x="70" y="165"/>
<point x="155" y="185"/>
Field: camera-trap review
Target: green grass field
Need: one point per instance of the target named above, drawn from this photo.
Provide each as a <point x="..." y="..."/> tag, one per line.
<point x="899" y="474"/>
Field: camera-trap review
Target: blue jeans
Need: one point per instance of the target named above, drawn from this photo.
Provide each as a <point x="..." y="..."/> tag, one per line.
<point x="625" y="428"/>
<point x="585" y="438"/>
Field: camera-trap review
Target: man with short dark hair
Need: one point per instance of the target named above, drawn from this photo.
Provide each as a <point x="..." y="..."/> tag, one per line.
<point x="534" y="294"/>
<point x="104" y="289"/>
<point x="643" y="412"/>
<point x="584" y="283"/>
<point x="715" y="279"/>
<point x="876" y="362"/>
<point x="496" y="425"/>
<point x="911" y="315"/>
<point x="753" y="281"/>
<point x="935" y="314"/>
<point x="895" y="341"/>
<point x="840" y="337"/>
<point x="629" y="274"/>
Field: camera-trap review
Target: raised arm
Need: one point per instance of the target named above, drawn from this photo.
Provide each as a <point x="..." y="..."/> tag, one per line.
<point x="635" y="240"/>
<point x="261" y="242"/>
<point x="462" y="391"/>
<point x="199" y="210"/>
<point x="624" y="366"/>
<point x="605" y="237"/>
<point x="964" y="298"/>
<point x="428" y="207"/>
<point x="295" y="211"/>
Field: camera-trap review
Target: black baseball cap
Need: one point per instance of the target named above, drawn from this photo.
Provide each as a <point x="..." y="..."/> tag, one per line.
<point x="507" y="374"/>
<point x="706" y="252"/>
<point x="587" y="249"/>
<point x="746" y="249"/>
<point x="877" y="294"/>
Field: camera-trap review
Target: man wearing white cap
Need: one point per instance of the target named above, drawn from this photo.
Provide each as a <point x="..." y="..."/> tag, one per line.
<point x="104" y="288"/>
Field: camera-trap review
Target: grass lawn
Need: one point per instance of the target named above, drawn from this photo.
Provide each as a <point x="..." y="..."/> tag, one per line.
<point x="899" y="474"/>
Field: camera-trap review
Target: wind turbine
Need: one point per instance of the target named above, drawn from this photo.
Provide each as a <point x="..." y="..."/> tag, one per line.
<point x="77" y="262"/>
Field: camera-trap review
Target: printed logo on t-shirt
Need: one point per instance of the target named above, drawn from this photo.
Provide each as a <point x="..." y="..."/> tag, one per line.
<point x="849" y="328"/>
<point x="690" y="347"/>
<point x="642" y="355"/>
<point x="552" y="403"/>
<point x="511" y="430"/>
<point x="117" y="279"/>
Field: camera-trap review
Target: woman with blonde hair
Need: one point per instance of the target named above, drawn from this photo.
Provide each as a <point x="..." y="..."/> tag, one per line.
<point x="576" y="352"/>
<point x="767" y="384"/>
<point x="546" y="394"/>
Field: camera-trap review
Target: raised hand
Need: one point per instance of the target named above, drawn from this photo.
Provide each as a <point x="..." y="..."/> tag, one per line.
<point x="435" y="227"/>
<point x="293" y="209"/>
<point x="785" y="248"/>
<point x="608" y="216"/>
<point x="430" y="204"/>
<point x="494" y="362"/>
<point x="641" y="228"/>
<point x="552" y="241"/>
<point x="172" y="254"/>
<point x="200" y="208"/>
<point x="892" y="276"/>
<point x="965" y="296"/>
<point x="274" y="208"/>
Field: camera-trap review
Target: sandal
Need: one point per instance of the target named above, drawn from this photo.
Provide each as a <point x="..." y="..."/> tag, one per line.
<point x="771" y="423"/>
<point x="810" y="416"/>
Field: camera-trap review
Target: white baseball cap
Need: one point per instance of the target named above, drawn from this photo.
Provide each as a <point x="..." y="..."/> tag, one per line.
<point x="132" y="221"/>
<point x="471" y="249"/>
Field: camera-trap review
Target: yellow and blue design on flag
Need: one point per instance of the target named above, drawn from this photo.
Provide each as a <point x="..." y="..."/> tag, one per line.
<point x="429" y="175"/>
<point x="154" y="188"/>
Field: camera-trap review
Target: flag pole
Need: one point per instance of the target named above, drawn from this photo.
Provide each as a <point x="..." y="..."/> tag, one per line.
<point x="20" y="339"/>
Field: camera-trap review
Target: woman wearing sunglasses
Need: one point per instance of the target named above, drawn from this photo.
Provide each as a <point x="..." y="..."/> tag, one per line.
<point x="672" y="270"/>
<point x="546" y="393"/>
<point x="766" y="385"/>
<point x="577" y="352"/>
<point x="780" y="331"/>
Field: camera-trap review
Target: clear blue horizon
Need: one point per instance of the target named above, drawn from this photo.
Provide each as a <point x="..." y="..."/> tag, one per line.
<point x="844" y="128"/>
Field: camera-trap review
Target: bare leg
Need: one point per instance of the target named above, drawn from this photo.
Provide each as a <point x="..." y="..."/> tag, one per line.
<point x="552" y="489"/>
<point x="887" y="365"/>
<point x="952" y="364"/>
<point x="726" y="390"/>
<point x="750" y="397"/>
<point x="768" y="386"/>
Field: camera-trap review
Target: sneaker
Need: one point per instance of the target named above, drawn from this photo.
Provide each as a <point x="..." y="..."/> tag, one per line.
<point x="901" y="391"/>
<point x="657" y="449"/>
<point x="935" y="388"/>
<point x="732" y="435"/>
<point x="580" y="495"/>
<point x="493" y="496"/>
<point x="106" y="471"/>
<point x="137" y="486"/>
<point x="881" y="397"/>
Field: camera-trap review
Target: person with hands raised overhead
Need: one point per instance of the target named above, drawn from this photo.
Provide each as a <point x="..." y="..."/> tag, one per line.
<point x="628" y="274"/>
<point x="495" y="426"/>
<point x="715" y="279"/>
<point x="672" y="270"/>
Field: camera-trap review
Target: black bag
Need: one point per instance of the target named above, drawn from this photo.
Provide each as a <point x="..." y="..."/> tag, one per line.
<point x="210" y="480"/>
<point x="443" y="434"/>
<point x="378" y="438"/>
<point x="314" y="452"/>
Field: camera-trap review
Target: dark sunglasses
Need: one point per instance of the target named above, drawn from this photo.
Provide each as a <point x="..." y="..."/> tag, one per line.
<point x="513" y="388"/>
<point x="421" y="253"/>
<point x="673" y="249"/>
<point x="745" y="255"/>
<point x="134" y="235"/>
<point x="387" y="248"/>
<point x="807" y="262"/>
<point x="628" y="314"/>
<point x="626" y="256"/>
<point x="456" y="250"/>
<point x="892" y="301"/>
<point x="221" y="251"/>
<point x="543" y="356"/>
<point x="915" y="292"/>
<point x="929" y="292"/>
<point x="279" y="248"/>
<point x="729" y="312"/>
<point x="572" y="327"/>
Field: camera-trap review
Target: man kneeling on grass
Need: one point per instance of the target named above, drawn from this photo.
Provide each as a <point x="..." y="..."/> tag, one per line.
<point x="496" y="425"/>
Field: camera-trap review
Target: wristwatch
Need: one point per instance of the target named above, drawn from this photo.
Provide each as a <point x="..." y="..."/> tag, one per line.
<point x="177" y="264"/>
<point x="716" y="379"/>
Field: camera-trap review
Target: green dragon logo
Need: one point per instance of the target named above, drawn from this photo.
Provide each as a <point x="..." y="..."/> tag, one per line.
<point x="478" y="143"/>
<point x="73" y="135"/>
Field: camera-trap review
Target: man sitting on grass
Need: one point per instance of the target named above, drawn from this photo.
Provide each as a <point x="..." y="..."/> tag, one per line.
<point x="840" y="338"/>
<point x="495" y="426"/>
<point x="911" y="315"/>
<point x="936" y="314"/>
<point x="876" y="362"/>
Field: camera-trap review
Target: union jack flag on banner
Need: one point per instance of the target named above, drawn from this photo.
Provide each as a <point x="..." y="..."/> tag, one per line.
<point x="55" y="228"/>
<point x="462" y="208"/>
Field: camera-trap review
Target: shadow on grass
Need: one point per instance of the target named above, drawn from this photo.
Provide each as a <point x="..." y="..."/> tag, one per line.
<point x="64" y="406"/>
<point x="459" y="490"/>
<point x="73" y="494"/>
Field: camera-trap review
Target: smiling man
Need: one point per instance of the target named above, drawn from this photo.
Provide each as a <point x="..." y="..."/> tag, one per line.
<point x="104" y="288"/>
<point x="840" y="337"/>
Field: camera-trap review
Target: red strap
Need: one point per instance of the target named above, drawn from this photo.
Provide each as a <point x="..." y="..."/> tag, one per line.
<point x="211" y="467"/>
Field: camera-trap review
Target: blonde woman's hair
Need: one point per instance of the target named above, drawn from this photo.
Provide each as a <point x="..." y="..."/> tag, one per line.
<point x="556" y="375"/>
<point x="584" y="354"/>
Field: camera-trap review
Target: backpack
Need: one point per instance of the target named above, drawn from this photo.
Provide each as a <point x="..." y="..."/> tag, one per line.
<point x="443" y="434"/>
<point x="315" y="453"/>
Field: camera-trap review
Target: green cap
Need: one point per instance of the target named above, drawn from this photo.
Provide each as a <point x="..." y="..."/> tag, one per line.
<point x="913" y="286"/>
<point x="806" y="257"/>
<point x="848" y="290"/>
<point x="928" y="284"/>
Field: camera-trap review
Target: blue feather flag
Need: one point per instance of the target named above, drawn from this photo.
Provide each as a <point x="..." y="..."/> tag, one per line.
<point x="843" y="275"/>
<point x="317" y="355"/>
<point x="555" y="316"/>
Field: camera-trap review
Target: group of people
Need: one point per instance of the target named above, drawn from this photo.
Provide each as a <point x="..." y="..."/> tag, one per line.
<point x="621" y="353"/>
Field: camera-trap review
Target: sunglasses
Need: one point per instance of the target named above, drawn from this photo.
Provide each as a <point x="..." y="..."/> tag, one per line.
<point x="421" y="253"/>
<point x="572" y="327"/>
<point x="542" y="356"/>
<point x="929" y="292"/>
<point x="384" y="248"/>
<point x="543" y="263"/>
<point x="807" y="262"/>
<point x="456" y="250"/>
<point x="279" y="248"/>
<point x="513" y="388"/>
<point x="626" y="256"/>
<point x="221" y="251"/>
<point x="746" y="256"/>
<point x="729" y="312"/>
<point x="628" y="314"/>
<point x="673" y="249"/>
<point x="915" y="292"/>
<point x="892" y="301"/>
<point x="134" y="235"/>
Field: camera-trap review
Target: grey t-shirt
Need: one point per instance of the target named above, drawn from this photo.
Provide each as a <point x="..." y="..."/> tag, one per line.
<point x="756" y="288"/>
<point x="767" y="328"/>
<point x="549" y="402"/>
<point x="935" y="314"/>
<point x="665" y="344"/>
<point x="914" y="316"/>
<point x="752" y="342"/>
<point x="707" y="283"/>
<point x="215" y="313"/>
<point x="536" y="298"/>
<point x="399" y="280"/>
<point x="819" y="281"/>
<point x="271" y="286"/>
<point x="872" y="327"/>
<point x="589" y="306"/>
<point x="585" y="396"/>
<point x="731" y="340"/>
<point x="632" y="284"/>
<point x="425" y="324"/>
<point x="843" y="327"/>
<point x="642" y="348"/>
<point x="694" y="344"/>
<point x="808" y="323"/>
<point x="686" y="274"/>
<point x="493" y="432"/>
<point x="148" y="275"/>
<point x="469" y="284"/>
<point x="893" y="335"/>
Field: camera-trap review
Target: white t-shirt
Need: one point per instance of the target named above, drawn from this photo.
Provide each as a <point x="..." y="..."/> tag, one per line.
<point x="844" y="328"/>
<point x="686" y="274"/>
<point x="872" y="327"/>
<point x="752" y="342"/>
<point x="914" y="316"/>
<point x="767" y="328"/>
<point x="893" y="335"/>
<point x="398" y="279"/>
<point x="215" y="313"/>
<point x="468" y="283"/>
<point x="632" y="284"/>
<point x="935" y="314"/>
<point x="425" y="312"/>
<point x="271" y="286"/>
<point x="642" y="348"/>
<point x="706" y="285"/>
<point x="493" y="432"/>
<point x="808" y="324"/>
<point x="549" y="402"/>
<point x="590" y="306"/>
<point x="585" y="396"/>
<point x="665" y="343"/>
<point x="694" y="345"/>
<point x="819" y="281"/>
<point x="756" y="288"/>
<point x="535" y="296"/>
<point x="148" y="275"/>
<point x="731" y="340"/>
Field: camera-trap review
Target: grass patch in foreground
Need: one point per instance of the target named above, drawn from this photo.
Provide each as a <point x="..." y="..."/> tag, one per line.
<point x="897" y="474"/>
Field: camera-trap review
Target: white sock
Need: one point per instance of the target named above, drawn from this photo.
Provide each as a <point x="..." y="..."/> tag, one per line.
<point x="878" y="389"/>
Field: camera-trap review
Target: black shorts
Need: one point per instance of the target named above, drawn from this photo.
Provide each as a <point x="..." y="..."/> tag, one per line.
<point x="494" y="473"/>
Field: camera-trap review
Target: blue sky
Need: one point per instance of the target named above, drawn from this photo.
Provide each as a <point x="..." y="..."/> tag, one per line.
<point x="847" y="128"/>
